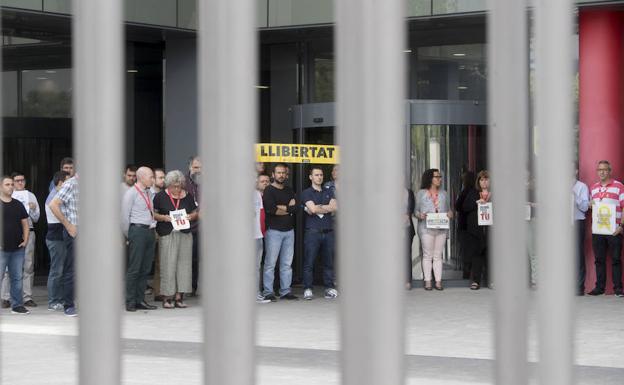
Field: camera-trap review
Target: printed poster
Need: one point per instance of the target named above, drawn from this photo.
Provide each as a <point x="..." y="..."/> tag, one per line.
<point x="603" y="218"/>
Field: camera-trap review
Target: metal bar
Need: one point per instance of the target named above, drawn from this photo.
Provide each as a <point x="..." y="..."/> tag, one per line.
<point x="98" y="41"/>
<point x="370" y="39"/>
<point x="227" y="100"/>
<point x="553" y="104"/>
<point x="507" y="131"/>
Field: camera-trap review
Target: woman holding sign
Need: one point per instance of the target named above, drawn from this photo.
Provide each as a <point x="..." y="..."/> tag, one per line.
<point x="476" y="203"/>
<point x="174" y="209"/>
<point x="434" y="214"/>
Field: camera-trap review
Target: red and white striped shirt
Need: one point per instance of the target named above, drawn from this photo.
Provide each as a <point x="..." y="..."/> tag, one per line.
<point x="611" y="193"/>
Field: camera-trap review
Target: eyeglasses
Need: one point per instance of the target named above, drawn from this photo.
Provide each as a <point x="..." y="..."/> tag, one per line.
<point x="437" y="176"/>
<point x="19" y="180"/>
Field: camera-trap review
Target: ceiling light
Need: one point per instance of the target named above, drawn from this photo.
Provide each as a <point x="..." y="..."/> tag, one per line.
<point x="407" y="50"/>
<point x="133" y="71"/>
<point x="459" y="54"/>
<point x="262" y="87"/>
<point x="50" y="72"/>
<point x="462" y="87"/>
<point x="42" y="78"/>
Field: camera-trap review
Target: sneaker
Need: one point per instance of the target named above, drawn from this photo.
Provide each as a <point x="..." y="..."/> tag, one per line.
<point x="307" y="294"/>
<point x="618" y="293"/>
<point x="6" y="304"/>
<point x="30" y="303"/>
<point x="290" y="296"/>
<point x="55" y="307"/>
<point x="70" y="312"/>
<point x="20" y="310"/>
<point x="331" y="293"/>
<point x="271" y="297"/>
<point x="596" y="291"/>
<point x="261" y="299"/>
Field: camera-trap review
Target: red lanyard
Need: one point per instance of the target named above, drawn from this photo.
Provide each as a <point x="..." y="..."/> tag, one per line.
<point x="436" y="201"/>
<point x="147" y="201"/>
<point x="171" y="199"/>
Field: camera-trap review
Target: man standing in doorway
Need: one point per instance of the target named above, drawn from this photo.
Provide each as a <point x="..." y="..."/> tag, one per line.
<point x="159" y="184"/>
<point x="56" y="247"/>
<point x="262" y="181"/>
<point x="137" y="224"/>
<point x="15" y="232"/>
<point x="280" y="207"/>
<point x="319" y="205"/>
<point x="64" y="206"/>
<point x="192" y="186"/>
<point x="67" y="165"/>
<point x="607" y="190"/>
<point x="130" y="178"/>
<point x="31" y="206"/>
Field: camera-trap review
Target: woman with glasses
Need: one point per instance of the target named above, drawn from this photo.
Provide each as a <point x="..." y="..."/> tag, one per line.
<point x="431" y="198"/>
<point x="174" y="209"/>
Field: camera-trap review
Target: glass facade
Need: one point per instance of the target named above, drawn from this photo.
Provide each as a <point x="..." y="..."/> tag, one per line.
<point x="46" y="93"/>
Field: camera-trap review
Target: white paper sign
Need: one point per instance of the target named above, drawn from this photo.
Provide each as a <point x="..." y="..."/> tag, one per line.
<point x="179" y="221"/>
<point x="437" y="221"/>
<point x="603" y="218"/>
<point x="484" y="214"/>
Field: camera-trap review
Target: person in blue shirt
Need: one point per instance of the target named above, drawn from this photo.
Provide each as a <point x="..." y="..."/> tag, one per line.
<point x="319" y="205"/>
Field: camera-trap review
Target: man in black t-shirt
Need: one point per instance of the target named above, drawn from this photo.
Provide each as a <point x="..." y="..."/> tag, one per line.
<point x="279" y="206"/>
<point x="15" y="231"/>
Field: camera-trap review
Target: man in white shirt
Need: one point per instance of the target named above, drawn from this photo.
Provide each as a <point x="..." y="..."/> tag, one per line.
<point x="261" y="182"/>
<point x="580" y="194"/>
<point x="129" y="177"/>
<point x="31" y="205"/>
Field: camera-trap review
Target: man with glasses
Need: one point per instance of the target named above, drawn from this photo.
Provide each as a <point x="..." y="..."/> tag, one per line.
<point x="608" y="191"/>
<point x="31" y="205"/>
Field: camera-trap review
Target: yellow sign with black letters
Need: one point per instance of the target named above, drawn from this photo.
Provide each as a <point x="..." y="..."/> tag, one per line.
<point x="296" y="153"/>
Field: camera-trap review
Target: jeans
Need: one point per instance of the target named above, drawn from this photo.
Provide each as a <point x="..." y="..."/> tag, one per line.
<point x="282" y="244"/>
<point x="580" y="254"/>
<point x="28" y="271"/>
<point x="67" y="277"/>
<point x="57" y="260"/>
<point x="14" y="260"/>
<point x="314" y="242"/>
<point x="600" y="244"/>
<point x="259" y="251"/>
<point x="140" y="258"/>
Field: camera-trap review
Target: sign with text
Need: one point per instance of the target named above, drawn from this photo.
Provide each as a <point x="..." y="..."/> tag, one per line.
<point x="484" y="214"/>
<point x="437" y="221"/>
<point x="603" y="218"/>
<point x="179" y="220"/>
<point x="296" y="153"/>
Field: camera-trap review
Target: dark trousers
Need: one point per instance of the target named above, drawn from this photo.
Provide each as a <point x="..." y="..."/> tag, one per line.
<point x="67" y="278"/>
<point x="195" y="261"/>
<point x="477" y="252"/>
<point x="315" y="242"/>
<point x="409" y="238"/>
<point x="580" y="254"/>
<point x="600" y="244"/>
<point x="141" y="244"/>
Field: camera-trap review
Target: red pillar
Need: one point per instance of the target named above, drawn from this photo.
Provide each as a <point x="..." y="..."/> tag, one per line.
<point x="601" y="102"/>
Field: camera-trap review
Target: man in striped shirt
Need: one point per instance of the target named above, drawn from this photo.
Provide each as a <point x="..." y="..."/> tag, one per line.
<point x="609" y="191"/>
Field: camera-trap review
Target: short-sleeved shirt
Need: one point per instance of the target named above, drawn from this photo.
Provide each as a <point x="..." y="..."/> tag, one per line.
<point x="12" y="214"/>
<point x="69" y="195"/>
<point x="313" y="221"/>
<point x="163" y="205"/>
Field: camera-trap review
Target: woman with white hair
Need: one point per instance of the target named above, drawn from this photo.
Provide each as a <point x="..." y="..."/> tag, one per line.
<point x="174" y="209"/>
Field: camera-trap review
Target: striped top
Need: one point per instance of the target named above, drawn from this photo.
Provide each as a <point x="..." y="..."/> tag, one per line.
<point x="611" y="193"/>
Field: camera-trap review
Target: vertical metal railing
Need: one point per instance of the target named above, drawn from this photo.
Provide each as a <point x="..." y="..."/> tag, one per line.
<point x="507" y="133"/>
<point x="98" y="41"/>
<point x="227" y="105"/>
<point x="370" y="36"/>
<point x="553" y="102"/>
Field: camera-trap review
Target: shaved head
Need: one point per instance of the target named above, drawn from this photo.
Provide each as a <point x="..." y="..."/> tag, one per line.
<point x="145" y="176"/>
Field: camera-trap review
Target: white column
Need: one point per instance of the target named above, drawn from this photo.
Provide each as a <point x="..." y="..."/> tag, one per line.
<point x="370" y="39"/>
<point x="556" y="251"/>
<point x="98" y="41"/>
<point x="228" y="128"/>
<point x="507" y="133"/>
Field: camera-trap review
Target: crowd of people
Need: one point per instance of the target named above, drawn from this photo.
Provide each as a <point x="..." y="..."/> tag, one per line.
<point x="160" y="214"/>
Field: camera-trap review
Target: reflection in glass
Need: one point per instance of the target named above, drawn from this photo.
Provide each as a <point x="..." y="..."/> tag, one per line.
<point x="46" y="93"/>
<point x="9" y="93"/>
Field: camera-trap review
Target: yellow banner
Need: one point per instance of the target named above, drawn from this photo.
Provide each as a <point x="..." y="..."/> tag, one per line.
<point x="296" y="153"/>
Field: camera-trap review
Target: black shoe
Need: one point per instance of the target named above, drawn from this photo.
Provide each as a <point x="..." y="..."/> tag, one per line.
<point x="580" y="293"/>
<point x="131" y="307"/>
<point x="271" y="297"/>
<point x="20" y="310"/>
<point x="290" y="296"/>
<point x="30" y="303"/>
<point x="159" y="298"/>
<point x="596" y="292"/>
<point x="618" y="293"/>
<point x="6" y="304"/>
<point x="144" y="306"/>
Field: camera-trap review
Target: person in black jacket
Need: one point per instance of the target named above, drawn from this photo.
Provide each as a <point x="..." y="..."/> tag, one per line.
<point x="409" y="232"/>
<point x="476" y="241"/>
<point x="468" y="178"/>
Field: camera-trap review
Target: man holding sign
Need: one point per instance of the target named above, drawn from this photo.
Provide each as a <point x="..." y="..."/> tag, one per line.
<point x="607" y="200"/>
